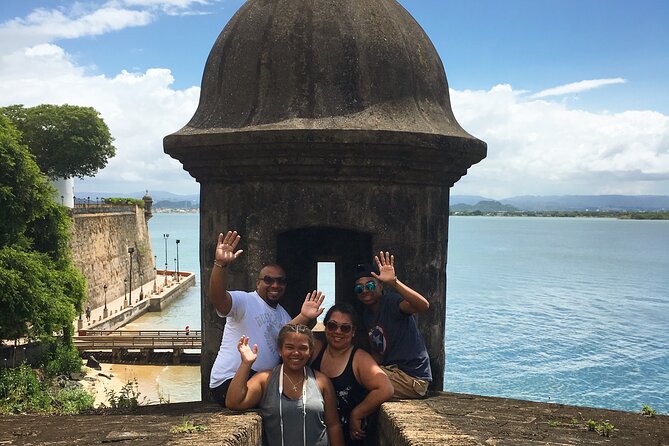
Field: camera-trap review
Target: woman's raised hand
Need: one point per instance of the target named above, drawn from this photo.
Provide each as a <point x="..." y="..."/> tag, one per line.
<point x="247" y="353"/>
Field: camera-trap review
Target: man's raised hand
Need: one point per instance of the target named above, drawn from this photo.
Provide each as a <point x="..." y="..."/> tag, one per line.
<point x="386" y="263"/>
<point x="225" y="248"/>
<point x="311" y="308"/>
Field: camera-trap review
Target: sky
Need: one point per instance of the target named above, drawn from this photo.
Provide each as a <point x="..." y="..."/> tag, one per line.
<point x="571" y="96"/>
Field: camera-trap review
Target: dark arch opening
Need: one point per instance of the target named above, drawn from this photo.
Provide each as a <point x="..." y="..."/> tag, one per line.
<point x="300" y="250"/>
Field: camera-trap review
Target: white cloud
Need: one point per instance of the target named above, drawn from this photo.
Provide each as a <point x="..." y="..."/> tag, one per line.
<point x="181" y="4"/>
<point x="44" y="26"/>
<point x="535" y="145"/>
<point x="578" y="87"/>
<point x="540" y="147"/>
<point x="139" y="108"/>
<point x="88" y="19"/>
<point x="170" y="7"/>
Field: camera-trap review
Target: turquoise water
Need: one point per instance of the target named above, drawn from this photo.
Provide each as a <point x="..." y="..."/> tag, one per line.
<point x="572" y="311"/>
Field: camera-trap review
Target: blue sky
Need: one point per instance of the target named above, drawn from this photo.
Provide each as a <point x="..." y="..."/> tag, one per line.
<point x="571" y="96"/>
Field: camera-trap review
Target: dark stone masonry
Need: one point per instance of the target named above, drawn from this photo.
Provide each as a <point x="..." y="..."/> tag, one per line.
<point x="325" y="133"/>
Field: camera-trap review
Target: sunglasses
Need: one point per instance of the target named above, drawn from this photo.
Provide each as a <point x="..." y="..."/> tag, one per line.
<point x="269" y="280"/>
<point x="332" y="326"/>
<point x="369" y="286"/>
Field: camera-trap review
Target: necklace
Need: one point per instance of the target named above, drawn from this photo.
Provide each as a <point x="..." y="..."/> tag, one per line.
<point x="304" y="403"/>
<point x="292" y="383"/>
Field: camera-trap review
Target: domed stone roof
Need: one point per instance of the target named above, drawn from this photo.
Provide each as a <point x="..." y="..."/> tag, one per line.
<point x="356" y="71"/>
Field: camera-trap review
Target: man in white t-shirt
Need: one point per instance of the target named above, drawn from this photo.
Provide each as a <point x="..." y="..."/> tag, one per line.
<point x="256" y="314"/>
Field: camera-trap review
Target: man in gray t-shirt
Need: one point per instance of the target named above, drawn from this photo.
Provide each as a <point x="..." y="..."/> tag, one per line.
<point x="256" y="314"/>
<point x="393" y="335"/>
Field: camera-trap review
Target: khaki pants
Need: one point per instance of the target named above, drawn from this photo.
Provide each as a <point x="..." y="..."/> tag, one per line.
<point x="406" y="386"/>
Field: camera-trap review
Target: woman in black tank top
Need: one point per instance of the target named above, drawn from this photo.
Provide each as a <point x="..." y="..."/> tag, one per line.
<point x="360" y="384"/>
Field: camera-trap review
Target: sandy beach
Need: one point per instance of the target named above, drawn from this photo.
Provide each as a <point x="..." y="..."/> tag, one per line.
<point x="155" y="383"/>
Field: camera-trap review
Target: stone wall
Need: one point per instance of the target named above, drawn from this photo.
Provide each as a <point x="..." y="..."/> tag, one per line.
<point x="100" y="243"/>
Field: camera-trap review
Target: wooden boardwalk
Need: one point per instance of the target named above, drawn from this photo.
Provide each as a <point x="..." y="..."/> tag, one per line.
<point x="140" y="346"/>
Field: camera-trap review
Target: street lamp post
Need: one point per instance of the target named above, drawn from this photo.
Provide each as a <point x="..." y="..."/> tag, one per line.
<point x="130" y="251"/>
<point x="177" y="261"/>
<point x="155" y="274"/>
<point x="125" y="293"/>
<point x="166" y="236"/>
<point x="105" y="312"/>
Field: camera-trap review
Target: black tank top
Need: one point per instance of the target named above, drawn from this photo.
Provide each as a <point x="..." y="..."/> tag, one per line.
<point x="349" y="393"/>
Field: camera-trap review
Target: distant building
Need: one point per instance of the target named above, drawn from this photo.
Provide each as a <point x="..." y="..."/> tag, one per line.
<point x="64" y="191"/>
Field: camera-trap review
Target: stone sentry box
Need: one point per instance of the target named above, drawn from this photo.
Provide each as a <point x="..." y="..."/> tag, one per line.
<point x="324" y="132"/>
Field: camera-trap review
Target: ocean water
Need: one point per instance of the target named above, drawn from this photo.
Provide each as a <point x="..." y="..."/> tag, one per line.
<point x="564" y="310"/>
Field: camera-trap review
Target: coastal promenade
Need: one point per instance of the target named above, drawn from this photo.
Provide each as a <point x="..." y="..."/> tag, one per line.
<point x="155" y="295"/>
<point x="443" y="419"/>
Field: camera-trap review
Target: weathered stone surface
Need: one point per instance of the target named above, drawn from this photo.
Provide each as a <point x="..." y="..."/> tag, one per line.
<point x="325" y="133"/>
<point x="100" y="243"/>
<point x="349" y="64"/>
<point x="444" y="419"/>
<point x="451" y="419"/>
<point x="115" y="436"/>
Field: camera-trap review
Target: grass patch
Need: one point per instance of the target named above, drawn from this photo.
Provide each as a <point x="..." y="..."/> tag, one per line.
<point x="648" y="411"/>
<point x="604" y="428"/>
<point x="187" y="427"/>
<point x="127" y="399"/>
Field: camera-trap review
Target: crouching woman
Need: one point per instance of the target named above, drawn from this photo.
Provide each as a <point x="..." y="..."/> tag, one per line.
<point x="297" y="405"/>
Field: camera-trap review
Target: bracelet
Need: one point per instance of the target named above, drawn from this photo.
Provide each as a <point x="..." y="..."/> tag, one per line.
<point x="219" y="264"/>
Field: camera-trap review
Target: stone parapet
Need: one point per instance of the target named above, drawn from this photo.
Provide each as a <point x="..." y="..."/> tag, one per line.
<point x="444" y="419"/>
<point x="451" y="419"/>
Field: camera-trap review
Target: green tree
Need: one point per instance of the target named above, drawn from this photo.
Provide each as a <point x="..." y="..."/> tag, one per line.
<point x="67" y="140"/>
<point x="24" y="191"/>
<point x="40" y="290"/>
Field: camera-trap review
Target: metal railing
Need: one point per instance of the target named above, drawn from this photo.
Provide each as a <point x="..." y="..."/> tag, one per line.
<point x="85" y="333"/>
<point x="153" y="339"/>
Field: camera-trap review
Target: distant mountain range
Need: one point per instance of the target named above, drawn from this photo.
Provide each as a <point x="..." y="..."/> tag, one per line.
<point x="483" y="206"/>
<point x="573" y="202"/>
<point x="162" y="199"/>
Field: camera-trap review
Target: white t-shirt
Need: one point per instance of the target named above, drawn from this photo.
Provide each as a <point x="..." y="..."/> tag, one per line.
<point x="249" y="316"/>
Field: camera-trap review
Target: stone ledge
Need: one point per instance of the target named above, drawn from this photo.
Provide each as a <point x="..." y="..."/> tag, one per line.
<point x="444" y="419"/>
<point x="148" y="426"/>
<point x="451" y="419"/>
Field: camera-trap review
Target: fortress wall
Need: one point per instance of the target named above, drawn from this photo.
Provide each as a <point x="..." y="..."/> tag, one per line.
<point x="100" y="243"/>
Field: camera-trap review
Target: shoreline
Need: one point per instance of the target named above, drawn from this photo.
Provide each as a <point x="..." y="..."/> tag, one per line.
<point x="144" y="382"/>
<point x="155" y="384"/>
